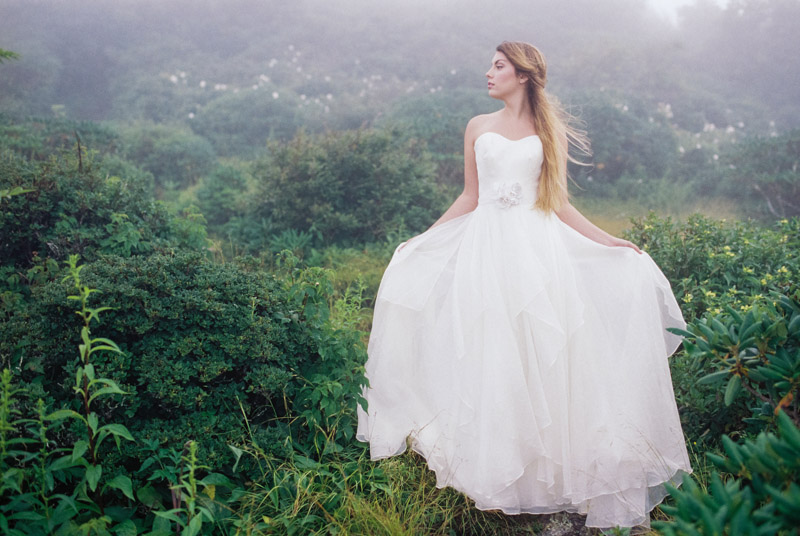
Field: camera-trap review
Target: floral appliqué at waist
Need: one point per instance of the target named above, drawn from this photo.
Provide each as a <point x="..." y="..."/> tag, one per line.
<point x="505" y="194"/>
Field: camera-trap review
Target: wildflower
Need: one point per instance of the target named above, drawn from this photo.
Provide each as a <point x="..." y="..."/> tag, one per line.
<point x="710" y="294"/>
<point x="747" y="270"/>
<point x="688" y="297"/>
<point x="763" y="281"/>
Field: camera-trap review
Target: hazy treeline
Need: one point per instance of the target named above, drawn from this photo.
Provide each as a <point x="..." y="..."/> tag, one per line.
<point x="340" y="64"/>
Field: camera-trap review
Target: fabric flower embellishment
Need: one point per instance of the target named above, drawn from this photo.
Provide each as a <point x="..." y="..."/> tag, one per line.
<point x="509" y="195"/>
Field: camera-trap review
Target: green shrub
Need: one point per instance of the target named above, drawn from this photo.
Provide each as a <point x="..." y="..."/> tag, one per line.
<point x="54" y="481"/>
<point x="221" y="195"/>
<point x="85" y="211"/>
<point x="204" y="346"/>
<point x="716" y="267"/>
<point x="39" y="137"/>
<point x="175" y="156"/>
<point x="761" y="498"/>
<point x="350" y="187"/>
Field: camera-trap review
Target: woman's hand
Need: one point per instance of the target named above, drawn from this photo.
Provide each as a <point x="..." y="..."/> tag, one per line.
<point x="620" y="243"/>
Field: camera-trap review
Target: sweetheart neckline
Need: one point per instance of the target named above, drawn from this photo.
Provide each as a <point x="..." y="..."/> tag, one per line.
<point x="505" y="138"/>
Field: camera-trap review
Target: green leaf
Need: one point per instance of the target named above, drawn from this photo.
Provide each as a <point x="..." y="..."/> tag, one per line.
<point x="93" y="473"/>
<point x="734" y="385"/>
<point x="122" y="483"/>
<point x="714" y="377"/>
<point x="64" y="414"/>
<point x="126" y="528"/>
<point x="194" y="527"/>
<point x="117" y="430"/>
<point x="79" y="449"/>
<point x="148" y="496"/>
<point x="92" y="421"/>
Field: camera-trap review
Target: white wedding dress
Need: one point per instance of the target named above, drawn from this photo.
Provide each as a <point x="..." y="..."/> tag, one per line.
<point x="526" y="362"/>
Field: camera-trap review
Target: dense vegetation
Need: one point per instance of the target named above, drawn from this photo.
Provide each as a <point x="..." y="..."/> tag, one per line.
<point x="217" y="202"/>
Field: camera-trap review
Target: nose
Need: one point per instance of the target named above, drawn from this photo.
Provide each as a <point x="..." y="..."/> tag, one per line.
<point x="489" y="73"/>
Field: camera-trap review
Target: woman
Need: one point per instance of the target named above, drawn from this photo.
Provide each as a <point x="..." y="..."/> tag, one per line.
<point x="516" y="346"/>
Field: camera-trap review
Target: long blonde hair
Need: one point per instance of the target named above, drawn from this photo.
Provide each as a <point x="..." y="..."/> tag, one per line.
<point x="552" y="124"/>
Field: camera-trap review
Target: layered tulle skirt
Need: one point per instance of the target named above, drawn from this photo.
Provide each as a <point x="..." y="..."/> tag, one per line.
<point x="528" y="365"/>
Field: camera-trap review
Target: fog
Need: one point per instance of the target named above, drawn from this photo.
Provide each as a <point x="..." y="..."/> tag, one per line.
<point x="135" y="59"/>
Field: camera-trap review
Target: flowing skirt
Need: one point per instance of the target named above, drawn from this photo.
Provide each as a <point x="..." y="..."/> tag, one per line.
<point x="528" y="365"/>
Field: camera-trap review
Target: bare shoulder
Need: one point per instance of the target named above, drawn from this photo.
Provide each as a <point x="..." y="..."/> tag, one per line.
<point x="477" y="126"/>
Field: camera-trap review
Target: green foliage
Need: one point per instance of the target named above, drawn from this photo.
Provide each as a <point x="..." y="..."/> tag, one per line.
<point x="220" y="195"/>
<point x="627" y="143"/>
<point x="68" y="210"/>
<point x="62" y="488"/>
<point x="757" y="351"/>
<point x="761" y="498"/>
<point x="175" y="156"/>
<point x="714" y="263"/>
<point x="350" y="187"/>
<point x="242" y="123"/>
<point x="7" y="55"/>
<point x="767" y="172"/>
<point x="200" y="339"/>
<point x="721" y="270"/>
<point x="41" y="137"/>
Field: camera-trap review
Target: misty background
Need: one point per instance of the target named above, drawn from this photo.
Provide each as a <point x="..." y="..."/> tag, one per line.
<point x="143" y="59"/>
<point x="680" y="101"/>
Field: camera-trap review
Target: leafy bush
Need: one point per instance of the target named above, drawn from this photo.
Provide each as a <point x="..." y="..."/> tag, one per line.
<point x="38" y="138"/>
<point x="221" y="195"/>
<point x="713" y="263"/>
<point x="350" y="187"/>
<point x="241" y="124"/>
<point x="766" y="172"/>
<point x="758" y="352"/>
<point x="203" y="347"/>
<point x="762" y="498"/>
<point x="627" y="142"/>
<point x="175" y="156"/>
<point x="85" y="211"/>
<point x="62" y="487"/>
<point x="715" y="267"/>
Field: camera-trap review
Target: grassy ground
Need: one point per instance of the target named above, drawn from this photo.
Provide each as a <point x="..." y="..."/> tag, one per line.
<point x="614" y="215"/>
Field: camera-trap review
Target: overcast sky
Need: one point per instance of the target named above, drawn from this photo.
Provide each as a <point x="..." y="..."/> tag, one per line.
<point x="668" y="8"/>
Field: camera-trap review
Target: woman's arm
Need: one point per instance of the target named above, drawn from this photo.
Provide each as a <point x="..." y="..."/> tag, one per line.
<point x="572" y="217"/>
<point x="468" y="199"/>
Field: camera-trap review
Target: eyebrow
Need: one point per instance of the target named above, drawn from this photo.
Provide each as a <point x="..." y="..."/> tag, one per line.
<point x="498" y="61"/>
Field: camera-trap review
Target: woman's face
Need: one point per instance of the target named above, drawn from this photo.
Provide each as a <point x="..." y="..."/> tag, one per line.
<point x="502" y="77"/>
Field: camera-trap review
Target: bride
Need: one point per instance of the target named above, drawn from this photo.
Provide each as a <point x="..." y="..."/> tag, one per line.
<point x="518" y="347"/>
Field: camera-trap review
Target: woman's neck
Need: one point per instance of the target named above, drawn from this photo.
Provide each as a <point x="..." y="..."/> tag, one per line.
<point x="518" y="108"/>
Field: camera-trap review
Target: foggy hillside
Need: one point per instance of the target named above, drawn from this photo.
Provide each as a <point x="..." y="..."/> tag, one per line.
<point x="341" y="64"/>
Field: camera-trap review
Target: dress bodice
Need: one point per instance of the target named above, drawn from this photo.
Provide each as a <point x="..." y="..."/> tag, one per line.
<point x="508" y="170"/>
